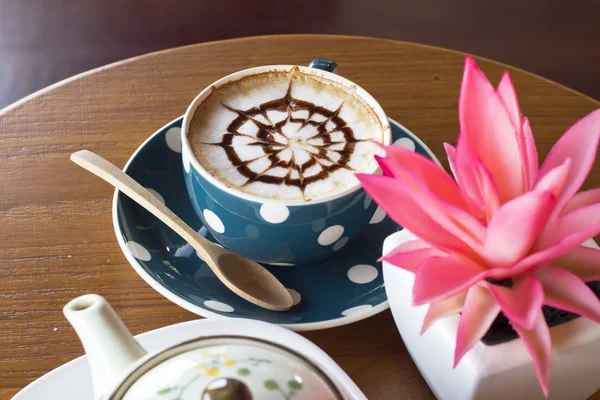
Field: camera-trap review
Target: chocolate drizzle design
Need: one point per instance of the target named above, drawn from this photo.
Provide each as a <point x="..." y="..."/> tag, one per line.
<point x="323" y="151"/>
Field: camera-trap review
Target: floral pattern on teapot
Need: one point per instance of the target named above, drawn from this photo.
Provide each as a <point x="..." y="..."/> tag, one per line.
<point x="230" y="371"/>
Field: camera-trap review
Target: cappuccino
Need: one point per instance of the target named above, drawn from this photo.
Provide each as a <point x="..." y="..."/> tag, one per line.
<point x="287" y="135"/>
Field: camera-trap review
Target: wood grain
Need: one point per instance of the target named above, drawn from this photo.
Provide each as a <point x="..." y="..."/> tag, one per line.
<point x="57" y="240"/>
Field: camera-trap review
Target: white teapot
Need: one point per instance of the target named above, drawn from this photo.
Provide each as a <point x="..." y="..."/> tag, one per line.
<point x="206" y="368"/>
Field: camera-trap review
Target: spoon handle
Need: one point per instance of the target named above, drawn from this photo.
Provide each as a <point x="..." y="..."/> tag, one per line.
<point x="120" y="180"/>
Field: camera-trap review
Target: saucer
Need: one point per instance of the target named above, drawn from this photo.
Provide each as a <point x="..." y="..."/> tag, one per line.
<point x="343" y="289"/>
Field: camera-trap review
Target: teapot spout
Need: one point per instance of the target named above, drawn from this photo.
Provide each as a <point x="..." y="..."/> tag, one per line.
<point x="108" y="344"/>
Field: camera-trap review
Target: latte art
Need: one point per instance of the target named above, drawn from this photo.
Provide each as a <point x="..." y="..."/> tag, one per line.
<point x="303" y="146"/>
<point x="285" y="135"/>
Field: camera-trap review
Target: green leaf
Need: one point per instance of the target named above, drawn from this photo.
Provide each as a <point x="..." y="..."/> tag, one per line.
<point x="294" y="385"/>
<point x="164" y="391"/>
<point x="271" y="384"/>
<point x="243" y="372"/>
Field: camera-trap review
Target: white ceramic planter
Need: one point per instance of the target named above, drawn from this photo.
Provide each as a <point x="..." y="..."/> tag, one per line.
<point x="503" y="371"/>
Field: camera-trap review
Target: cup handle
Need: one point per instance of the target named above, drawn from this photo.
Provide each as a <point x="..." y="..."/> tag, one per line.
<point x="325" y="65"/>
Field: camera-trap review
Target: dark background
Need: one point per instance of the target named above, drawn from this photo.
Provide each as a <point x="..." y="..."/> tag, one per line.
<point x="44" y="41"/>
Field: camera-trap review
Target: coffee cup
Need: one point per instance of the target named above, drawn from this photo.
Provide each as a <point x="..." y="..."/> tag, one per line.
<point x="283" y="218"/>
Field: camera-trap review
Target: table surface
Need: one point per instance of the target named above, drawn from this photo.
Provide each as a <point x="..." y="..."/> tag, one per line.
<point x="57" y="239"/>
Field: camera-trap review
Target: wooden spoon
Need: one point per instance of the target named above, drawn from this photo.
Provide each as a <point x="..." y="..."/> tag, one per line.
<point x="244" y="277"/>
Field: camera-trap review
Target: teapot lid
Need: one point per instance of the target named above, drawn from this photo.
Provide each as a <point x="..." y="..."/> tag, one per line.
<point x="226" y="367"/>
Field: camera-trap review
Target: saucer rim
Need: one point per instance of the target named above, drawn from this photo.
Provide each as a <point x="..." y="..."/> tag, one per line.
<point x="203" y="312"/>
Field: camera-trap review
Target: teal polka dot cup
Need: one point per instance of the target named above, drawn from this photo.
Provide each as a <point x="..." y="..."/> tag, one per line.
<point x="275" y="231"/>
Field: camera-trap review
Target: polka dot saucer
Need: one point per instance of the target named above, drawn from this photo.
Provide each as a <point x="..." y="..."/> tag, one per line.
<point x="343" y="289"/>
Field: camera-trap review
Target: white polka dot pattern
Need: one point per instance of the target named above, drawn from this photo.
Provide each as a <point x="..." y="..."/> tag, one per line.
<point x="274" y="213"/>
<point x="138" y="251"/>
<point x="356" y="310"/>
<point x="378" y="216"/>
<point x="340" y="243"/>
<point x="318" y="225"/>
<point x="331" y="235"/>
<point x="296" y="297"/>
<point x="252" y="231"/>
<point x="362" y="273"/>
<point x="213" y="221"/>
<point x="218" y="306"/>
<point x="406" y="143"/>
<point x="173" y="138"/>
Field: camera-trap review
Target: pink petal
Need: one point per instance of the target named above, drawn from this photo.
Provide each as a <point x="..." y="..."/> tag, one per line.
<point x="515" y="227"/>
<point x="571" y="223"/>
<point x="583" y="262"/>
<point x="508" y="95"/>
<point x="443" y="308"/>
<point x="543" y="257"/>
<point x="406" y="247"/>
<point x="487" y="187"/>
<point x="529" y="154"/>
<point x="567" y="292"/>
<point x="454" y="219"/>
<point x="555" y="179"/>
<point x="411" y="260"/>
<point x="479" y="311"/>
<point x="384" y="168"/>
<point x="489" y="130"/>
<point x="475" y="208"/>
<point x="522" y="304"/>
<point x="433" y="176"/>
<point x="396" y="199"/>
<point x="451" y="154"/>
<point x="539" y="345"/>
<point x="440" y="277"/>
<point x="464" y="166"/>
<point x="580" y="144"/>
<point x="409" y="255"/>
<point x="582" y="199"/>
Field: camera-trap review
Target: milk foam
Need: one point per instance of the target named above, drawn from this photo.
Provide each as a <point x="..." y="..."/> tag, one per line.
<point x="285" y="135"/>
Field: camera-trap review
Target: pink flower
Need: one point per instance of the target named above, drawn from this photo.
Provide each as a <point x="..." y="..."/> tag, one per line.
<point x="503" y="235"/>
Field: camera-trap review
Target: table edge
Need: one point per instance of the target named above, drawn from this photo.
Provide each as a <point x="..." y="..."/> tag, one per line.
<point x="55" y="85"/>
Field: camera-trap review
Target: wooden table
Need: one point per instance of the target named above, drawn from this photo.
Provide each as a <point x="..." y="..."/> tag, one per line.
<point x="57" y="239"/>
